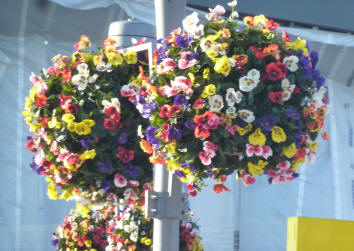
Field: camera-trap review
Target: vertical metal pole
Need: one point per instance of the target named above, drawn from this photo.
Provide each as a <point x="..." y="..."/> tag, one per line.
<point x="168" y="15"/>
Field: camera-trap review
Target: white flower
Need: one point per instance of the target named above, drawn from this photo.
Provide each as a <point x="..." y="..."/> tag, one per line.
<point x="216" y="103"/>
<point x="317" y="97"/>
<point x="234" y="14"/>
<point x="232" y="62"/>
<point x="239" y="97"/>
<point x="230" y="96"/>
<point x="246" y="115"/>
<point x="247" y="84"/>
<point x="128" y="228"/>
<point x="197" y="31"/>
<point x="93" y="78"/>
<point x="134" y="236"/>
<point x="83" y="69"/>
<point x="207" y="44"/>
<point x="232" y="4"/>
<point x="78" y="78"/>
<point x="114" y="102"/>
<point x="102" y="66"/>
<point x="189" y="22"/>
<point x="254" y="74"/>
<point x="231" y="112"/>
<point x="285" y="84"/>
<point x="291" y="63"/>
<point x="286" y="95"/>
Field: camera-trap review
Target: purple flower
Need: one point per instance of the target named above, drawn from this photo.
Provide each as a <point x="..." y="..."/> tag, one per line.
<point x="318" y="78"/>
<point x="132" y="170"/>
<point x="106" y="185"/>
<point x="183" y="42"/>
<point x="122" y="138"/>
<point x="36" y="168"/>
<point x="267" y="122"/>
<point x="150" y="132"/>
<point x="180" y="174"/>
<point x="299" y="136"/>
<point x="189" y="166"/>
<point x="211" y="174"/>
<point x="55" y="240"/>
<point x="314" y="58"/>
<point x="190" y="125"/>
<point x="104" y="167"/>
<point x="174" y="133"/>
<point x="293" y="114"/>
<point x="306" y="66"/>
<point x="86" y="142"/>
<point x="180" y="100"/>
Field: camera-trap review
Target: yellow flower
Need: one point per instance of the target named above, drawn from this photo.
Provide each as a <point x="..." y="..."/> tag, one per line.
<point x="34" y="127"/>
<point x="96" y="59"/>
<point x="82" y="209"/>
<point x="257" y="169"/>
<point x="88" y="243"/>
<point x="148" y="242"/>
<point x="313" y="146"/>
<point x="115" y="59"/>
<point x="191" y="76"/>
<point x="242" y="131"/>
<point x="173" y="165"/>
<point x="131" y="57"/>
<point x="171" y="147"/>
<point x="208" y="91"/>
<point x="28" y="103"/>
<point x="290" y="151"/>
<point x="211" y="53"/>
<point x="260" y="19"/>
<point x="142" y="240"/>
<point x="71" y="126"/>
<point x="53" y="123"/>
<point x="257" y="138"/>
<point x="278" y="134"/>
<point x="206" y="73"/>
<point x="66" y="194"/>
<point x="82" y="129"/>
<point x="33" y="92"/>
<point x="88" y="154"/>
<point x="88" y="122"/>
<point x="68" y="117"/>
<point x="222" y="66"/>
<point x="52" y="192"/>
<point x="299" y="44"/>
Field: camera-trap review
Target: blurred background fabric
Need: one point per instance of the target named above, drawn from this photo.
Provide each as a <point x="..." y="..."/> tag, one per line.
<point x="249" y="218"/>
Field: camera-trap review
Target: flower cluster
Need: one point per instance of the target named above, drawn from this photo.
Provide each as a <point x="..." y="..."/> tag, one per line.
<point x="112" y="228"/>
<point x="84" y="229"/>
<point x="225" y="98"/>
<point x="84" y="128"/>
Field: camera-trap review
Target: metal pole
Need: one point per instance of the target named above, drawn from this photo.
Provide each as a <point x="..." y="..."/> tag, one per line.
<point x="168" y="15"/>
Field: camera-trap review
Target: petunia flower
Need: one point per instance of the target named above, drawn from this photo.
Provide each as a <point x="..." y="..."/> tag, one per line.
<point x="120" y="181"/>
<point x="129" y="194"/>
<point x="205" y="157"/>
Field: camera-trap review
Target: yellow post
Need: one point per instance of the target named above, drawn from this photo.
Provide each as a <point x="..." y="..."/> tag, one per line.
<point x="313" y="234"/>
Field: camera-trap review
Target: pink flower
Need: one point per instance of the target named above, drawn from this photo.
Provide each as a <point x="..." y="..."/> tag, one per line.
<point x="267" y="151"/>
<point x="54" y="148"/>
<point x="248" y="179"/>
<point x="232" y="129"/>
<point x="278" y="179"/>
<point x="272" y="173"/>
<point x="147" y="187"/>
<point x="254" y="149"/>
<point x="183" y="84"/>
<point x="215" y="13"/>
<point x="209" y="146"/>
<point x="284" y="165"/>
<point x="133" y="183"/>
<point x="39" y="159"/>
<point x="119" y="181"/>
<point x="112" y="197"/>
<point x="129" y="194"/>
<point x="167" y="64"/>
<point x="186" y="60"/>
<point x="205" y="157"/>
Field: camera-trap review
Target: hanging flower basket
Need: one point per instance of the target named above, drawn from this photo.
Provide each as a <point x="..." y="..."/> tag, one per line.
<point x="84" y="132"/>
<point x="102" y="230"/>
<point x="226" y="97"/>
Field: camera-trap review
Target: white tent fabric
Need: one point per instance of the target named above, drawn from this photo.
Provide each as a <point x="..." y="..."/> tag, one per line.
<point x="246" y="219"/>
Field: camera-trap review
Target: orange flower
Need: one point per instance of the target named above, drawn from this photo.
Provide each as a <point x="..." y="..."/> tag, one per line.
<point x="109" y="42"/>
<point x="40" y="100"/>
<point x="78" y="58"/>
<point x="325" y="135"/>
<point x="249" y="22"/>
<point x="146" y="146"/>
<point x="156" y="159"/>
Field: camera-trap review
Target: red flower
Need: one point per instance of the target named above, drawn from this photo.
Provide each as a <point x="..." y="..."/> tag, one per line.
<point x="110" y="111"/>
<point x="276" y="97"/>
<point x="219" y="188"/>
<point x="193" y="193"/>
<point x="40" y="100"/>
<point x="164" y="111"/>
<point x="173" y="110"/>
<point x="109" y="124"/>
<point x="200" y="132"/>
<point x="276" y="71"/>
<point x="71" y="109"/>
<point x="124" y="155"/>
<point x="198" y="104"/>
